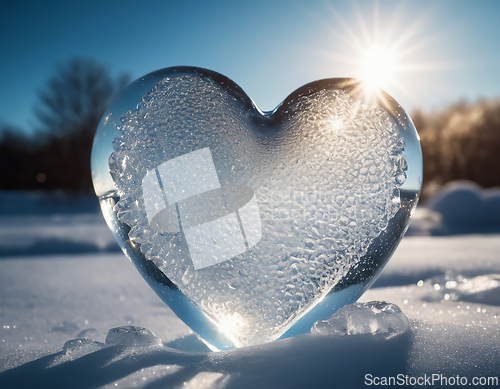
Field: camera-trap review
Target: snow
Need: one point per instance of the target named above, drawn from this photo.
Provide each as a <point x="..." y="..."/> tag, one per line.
<point x="463" y="207"/>
<point x="462" y="202"/>
<point x="51" y="223"/>
<point x="86" y="319"/>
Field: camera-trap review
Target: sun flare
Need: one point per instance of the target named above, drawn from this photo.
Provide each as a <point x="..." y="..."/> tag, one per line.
<point x="379" y="48"/>
<point x="378" y="67"/>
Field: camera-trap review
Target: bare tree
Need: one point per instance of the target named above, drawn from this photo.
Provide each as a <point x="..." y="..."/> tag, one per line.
<point x="70" y="108"/>
<point x="76" y="97"/>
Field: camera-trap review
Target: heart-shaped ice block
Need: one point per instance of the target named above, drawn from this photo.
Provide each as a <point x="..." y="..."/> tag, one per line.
<point x="251" y="226"/>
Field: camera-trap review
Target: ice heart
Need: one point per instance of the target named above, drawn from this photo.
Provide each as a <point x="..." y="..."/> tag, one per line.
<point x="251" y="226"/>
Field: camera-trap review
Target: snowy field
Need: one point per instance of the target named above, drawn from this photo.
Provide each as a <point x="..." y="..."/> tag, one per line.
<point x="62" y="278"/>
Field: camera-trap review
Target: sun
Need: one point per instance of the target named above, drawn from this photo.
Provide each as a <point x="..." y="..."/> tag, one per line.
<point x="378" y="67"/>
<point x="379" y="48"/>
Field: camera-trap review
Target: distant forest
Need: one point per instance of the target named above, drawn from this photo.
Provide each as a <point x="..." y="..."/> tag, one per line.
<point x="458" y="142"/>
<point x="57" y="155"/>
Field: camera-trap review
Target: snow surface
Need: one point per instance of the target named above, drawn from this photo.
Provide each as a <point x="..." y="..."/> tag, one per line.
<point x="58" y="305"/>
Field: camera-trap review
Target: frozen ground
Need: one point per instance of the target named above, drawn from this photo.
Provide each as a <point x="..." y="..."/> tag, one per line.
<point x="62" y="278"/>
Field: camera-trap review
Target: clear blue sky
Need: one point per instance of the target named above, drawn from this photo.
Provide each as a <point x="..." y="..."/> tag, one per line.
<point x="447" y="50"/>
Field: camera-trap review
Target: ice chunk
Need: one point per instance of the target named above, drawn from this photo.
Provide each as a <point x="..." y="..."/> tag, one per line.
<point x="375" y="317"/>
<point x="79" y="344"/>
<point x="132" y="336"/>
<point x="75" y="349"/>
<point x="484" y="289"/>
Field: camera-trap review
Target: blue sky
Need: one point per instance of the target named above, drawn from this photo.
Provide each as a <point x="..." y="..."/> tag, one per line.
<point x="446" y="50"/>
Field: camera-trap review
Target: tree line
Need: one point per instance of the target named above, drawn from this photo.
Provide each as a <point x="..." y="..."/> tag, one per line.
<point x="461" y="141"/>
<point x="57" y="154"/>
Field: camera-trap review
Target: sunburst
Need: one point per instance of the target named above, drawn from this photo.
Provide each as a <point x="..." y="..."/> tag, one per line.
<point x="383" y="54"/>
<point x="378" y="67"/>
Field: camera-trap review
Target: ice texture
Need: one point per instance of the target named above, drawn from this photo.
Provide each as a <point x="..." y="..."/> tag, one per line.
<point x="326" y="180"/>
<point x="132" y="336"/>
<point x="375" y="317"/>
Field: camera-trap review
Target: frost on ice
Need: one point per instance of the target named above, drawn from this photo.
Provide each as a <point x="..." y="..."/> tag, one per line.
<point x="375" y="317"/>
<point x="326" y="181"/>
